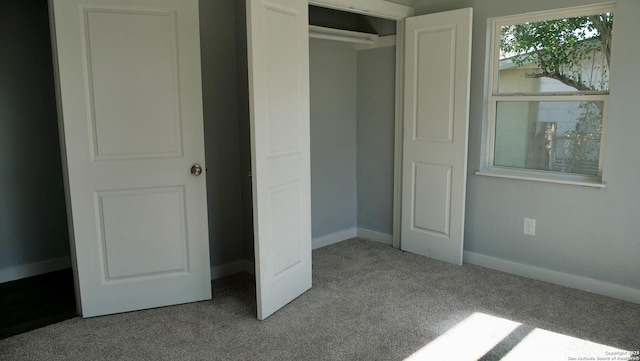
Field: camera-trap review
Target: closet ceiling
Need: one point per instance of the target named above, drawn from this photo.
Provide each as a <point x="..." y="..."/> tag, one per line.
<point x="336" y="19"/>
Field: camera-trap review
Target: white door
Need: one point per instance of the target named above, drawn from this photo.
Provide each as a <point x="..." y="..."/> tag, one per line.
<point x="278" y="48"/>
<point x="130" y="94"/>
<point x="436" y="108"/>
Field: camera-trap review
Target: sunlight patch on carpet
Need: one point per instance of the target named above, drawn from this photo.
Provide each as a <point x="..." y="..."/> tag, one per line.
<point x="468" y="340"/>
<point x="480" y="334"/>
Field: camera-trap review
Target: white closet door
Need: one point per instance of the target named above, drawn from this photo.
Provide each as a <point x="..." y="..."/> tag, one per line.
<point x="436" y="108"/>
<point x="130" y="92"/>
<point x="278" y="47"/>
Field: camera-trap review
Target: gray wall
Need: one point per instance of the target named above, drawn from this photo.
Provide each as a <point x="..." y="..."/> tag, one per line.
<point x="333" y="136"/>
<point x="352" y="137"/>
<point x="582" y="231"/>
<point x="242" y="81"/>
<point x="375" y="138"/>
<point x="33" y="225"/>
<point x="220" y="67"/>
<point x="434" y="6"/>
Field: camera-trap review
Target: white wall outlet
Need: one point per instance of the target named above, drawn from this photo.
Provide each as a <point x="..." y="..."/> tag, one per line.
<point x="530" y="226"/>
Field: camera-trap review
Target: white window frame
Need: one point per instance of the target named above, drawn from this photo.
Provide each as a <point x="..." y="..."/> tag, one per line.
<point x="493" y="97"/>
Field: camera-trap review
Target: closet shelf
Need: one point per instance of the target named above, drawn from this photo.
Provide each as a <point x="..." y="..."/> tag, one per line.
<point x="319" y="32"/>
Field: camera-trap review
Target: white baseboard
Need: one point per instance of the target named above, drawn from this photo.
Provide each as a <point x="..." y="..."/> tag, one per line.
<point x="34" y="269"/>
<point x="375" y="236"/>
<point x="332" y="238"/>
<point x="232" y="268"/>
<point x="555" y="277"/>
<point x="348" y="233"/>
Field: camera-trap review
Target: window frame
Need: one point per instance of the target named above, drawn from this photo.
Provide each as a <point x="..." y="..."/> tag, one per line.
<point x="493" y="97"/>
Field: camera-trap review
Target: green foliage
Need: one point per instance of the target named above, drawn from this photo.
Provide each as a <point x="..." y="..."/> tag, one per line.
<point x="562" y="47"/>
<point x="584" y="140"/>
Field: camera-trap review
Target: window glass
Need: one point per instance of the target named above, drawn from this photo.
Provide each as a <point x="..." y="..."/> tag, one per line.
<point x="550" y="136"/>
<point x="560" y="55"/>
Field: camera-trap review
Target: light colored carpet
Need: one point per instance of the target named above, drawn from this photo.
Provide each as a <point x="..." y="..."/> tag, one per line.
<point x="368" y="302"/>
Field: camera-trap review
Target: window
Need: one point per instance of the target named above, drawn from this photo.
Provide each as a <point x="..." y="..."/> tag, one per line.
<point x="549" y="89"/>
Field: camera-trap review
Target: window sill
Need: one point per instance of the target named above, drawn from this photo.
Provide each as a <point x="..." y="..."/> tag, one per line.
<point x="547" y="177"/>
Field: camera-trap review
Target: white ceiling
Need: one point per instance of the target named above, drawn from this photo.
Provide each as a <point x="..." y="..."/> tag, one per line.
<point x="403" y="2"/>
<point x="416" y="3"/>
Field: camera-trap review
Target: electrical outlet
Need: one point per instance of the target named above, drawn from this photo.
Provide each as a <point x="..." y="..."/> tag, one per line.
<point x="530" y="226"/>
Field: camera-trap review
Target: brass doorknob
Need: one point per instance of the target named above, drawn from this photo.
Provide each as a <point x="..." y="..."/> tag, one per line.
<point x="196" y="170"/>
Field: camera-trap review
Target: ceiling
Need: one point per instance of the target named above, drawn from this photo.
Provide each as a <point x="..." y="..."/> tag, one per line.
<point x="417" y="3"/>
<point x="404" y="2"/>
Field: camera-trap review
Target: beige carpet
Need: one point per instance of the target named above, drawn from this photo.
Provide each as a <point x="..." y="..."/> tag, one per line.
<point x="369" y="302"/>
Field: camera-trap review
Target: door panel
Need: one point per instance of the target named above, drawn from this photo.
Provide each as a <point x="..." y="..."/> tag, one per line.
<point x="147" y="100"/>
<point x="436" y="110"/>
<point x="125" y="237"/>
<point x="433" y="112"/>
<point x="130" y="90"/>
<point x="432" y="190"/>
<point x="279" y="105"/>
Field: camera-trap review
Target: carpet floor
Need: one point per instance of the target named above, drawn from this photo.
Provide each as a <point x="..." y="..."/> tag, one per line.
<point x="368" y="302"/>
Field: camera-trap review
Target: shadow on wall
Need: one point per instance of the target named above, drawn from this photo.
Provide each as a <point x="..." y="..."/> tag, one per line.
<point x="33" y="223"/>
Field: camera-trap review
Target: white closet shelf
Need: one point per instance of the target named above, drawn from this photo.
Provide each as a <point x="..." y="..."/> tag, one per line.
<point x="319" y="32"/>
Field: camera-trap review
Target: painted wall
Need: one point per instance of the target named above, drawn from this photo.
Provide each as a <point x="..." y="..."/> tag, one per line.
<point x="580" y="231"/>
<point x="375" y="138"/>
<point x="33" y="224"/>
<point x="220" y="67"/>
<point x="242" y="83"/>
<point x="333" y="136"/>
<point x="434" y="6"/>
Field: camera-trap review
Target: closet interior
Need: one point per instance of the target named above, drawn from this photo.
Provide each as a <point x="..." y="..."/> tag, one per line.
<point x="352" y="110"/>
<point x="352" y="87"/>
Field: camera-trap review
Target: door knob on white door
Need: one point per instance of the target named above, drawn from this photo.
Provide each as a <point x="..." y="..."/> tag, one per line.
<point x="196" y="170"/>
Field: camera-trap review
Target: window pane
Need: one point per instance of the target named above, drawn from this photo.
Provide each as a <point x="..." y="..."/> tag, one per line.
<point x="562" y="55"/>
<point x="552" y="136"/>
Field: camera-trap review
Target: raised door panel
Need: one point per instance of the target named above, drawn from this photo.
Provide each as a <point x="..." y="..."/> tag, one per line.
<point x="142" y="233"/>
<point x="132" y="82"/>
<point x="433" y="116"/>
<point x="432" y="202"/>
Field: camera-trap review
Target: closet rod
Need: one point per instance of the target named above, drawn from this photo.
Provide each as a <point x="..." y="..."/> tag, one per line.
<point x="319" y="32"/>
